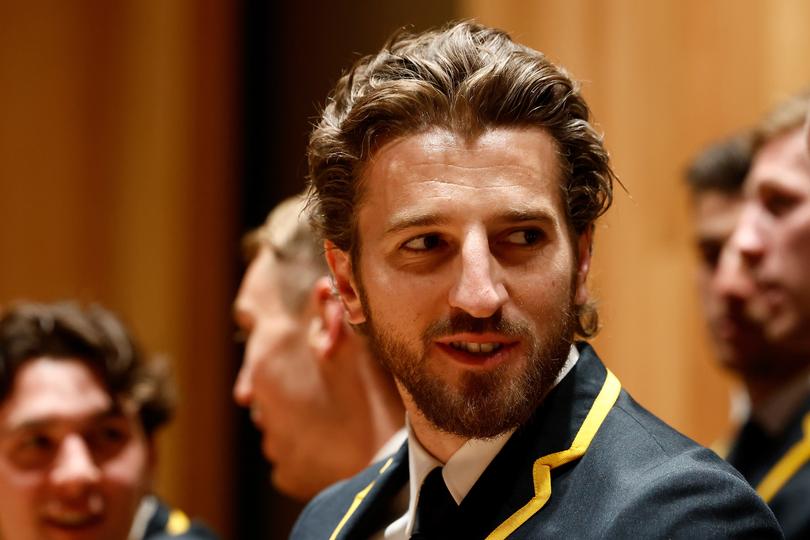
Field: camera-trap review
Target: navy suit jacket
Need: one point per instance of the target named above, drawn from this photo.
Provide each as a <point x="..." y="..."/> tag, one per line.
<point x="591" y="463"/>
<point x="779" y="467"/>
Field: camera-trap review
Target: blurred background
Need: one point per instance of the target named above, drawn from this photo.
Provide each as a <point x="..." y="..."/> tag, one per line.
<point x="139" y="139"/>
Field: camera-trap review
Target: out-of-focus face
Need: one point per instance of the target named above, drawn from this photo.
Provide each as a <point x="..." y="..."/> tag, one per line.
<point x="281" y="383"/>
<point x="773" y="237"/>
<point x="725" y="288"/>
<point x="467" y="274"/>
<point x="73" y="465"/>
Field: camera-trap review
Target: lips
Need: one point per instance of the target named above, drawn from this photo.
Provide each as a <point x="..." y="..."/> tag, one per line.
<point x="481" y="350"/>
<point x="72" y="516"/>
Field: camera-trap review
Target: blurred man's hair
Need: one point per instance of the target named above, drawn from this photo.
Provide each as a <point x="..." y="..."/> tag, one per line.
<point x="94" y="336"/>
<point x="722" y="166"/>
<point x="786" y="116"/>
<point x="288" y="235"/>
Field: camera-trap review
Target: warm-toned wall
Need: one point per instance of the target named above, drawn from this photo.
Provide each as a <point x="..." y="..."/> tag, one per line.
<point x="663" y="78"/>
<point x="116" y="165"/>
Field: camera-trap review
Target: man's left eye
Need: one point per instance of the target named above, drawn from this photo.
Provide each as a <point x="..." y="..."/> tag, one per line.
<point x="423" y="243"/>
<point x="525" y="237"/>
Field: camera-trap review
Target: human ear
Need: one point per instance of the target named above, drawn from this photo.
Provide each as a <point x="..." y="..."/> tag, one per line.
<point x="584" y="251"/>
<point x="341" y="266"/>
<point x="326" y="326"/>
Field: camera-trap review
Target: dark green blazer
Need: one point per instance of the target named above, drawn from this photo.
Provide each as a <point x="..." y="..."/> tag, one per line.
<point x="591" y="463"/>
<point x="779" y="468"/>
<point x="172" y="524"/>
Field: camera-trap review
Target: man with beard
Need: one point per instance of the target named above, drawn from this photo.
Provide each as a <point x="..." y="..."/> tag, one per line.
<point x="79" y="408"/>
<point x="456" y="181"/>
<point x="765" y="266"/>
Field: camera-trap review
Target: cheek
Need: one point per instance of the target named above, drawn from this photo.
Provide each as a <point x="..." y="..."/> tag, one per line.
<point x="19" y="495"/>
<point x="130" y="470"/>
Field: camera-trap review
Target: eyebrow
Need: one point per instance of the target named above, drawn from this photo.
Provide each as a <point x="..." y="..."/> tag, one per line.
<point x="427" y="220"/>
<point x="113" y="411"/>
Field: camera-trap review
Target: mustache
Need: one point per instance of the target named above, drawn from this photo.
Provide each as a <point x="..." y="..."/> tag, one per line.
<point x="462" y="322"/>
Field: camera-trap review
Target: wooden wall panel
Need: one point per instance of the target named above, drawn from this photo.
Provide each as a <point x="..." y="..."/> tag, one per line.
<point x="663" y="78"/>
<point x="117" y="185"/>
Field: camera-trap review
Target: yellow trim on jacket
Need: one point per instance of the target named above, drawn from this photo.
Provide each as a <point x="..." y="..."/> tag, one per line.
<point x="541" y="471"/>
<point x="786" y="467"/>
<point x="178" y="523"/>
<point x="358" y="499"/>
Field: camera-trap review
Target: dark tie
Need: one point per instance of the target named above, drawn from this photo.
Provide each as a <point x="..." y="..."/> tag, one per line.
<point x="436" y="510"/>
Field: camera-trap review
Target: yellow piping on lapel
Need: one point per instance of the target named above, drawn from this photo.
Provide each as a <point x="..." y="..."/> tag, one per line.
<point x="357" y="500"/>
<point x="541" y="471"/>
<point x="785" y="468"/>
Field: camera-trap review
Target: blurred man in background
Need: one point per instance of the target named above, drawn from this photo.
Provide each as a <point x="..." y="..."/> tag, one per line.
<point x="325" y="406"/>
<point x="765" y="268"/>
<point x="715" y="179"/>
<point x="79" y="408"/>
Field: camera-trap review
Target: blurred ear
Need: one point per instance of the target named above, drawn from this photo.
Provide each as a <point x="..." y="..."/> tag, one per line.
<point x="584" y="250"/>
<point x="341" y="265"/>
<point x="326" y="325"/>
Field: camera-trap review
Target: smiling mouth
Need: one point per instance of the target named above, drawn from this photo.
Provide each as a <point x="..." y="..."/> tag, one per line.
<point x="72" y="520"/>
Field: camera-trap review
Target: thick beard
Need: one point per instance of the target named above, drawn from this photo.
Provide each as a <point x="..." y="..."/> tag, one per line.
<point x="483" y="405"/>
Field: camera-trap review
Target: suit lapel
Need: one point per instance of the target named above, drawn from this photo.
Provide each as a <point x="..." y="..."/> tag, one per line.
<point x="369" y="506"/>
<point x="509" y="482"/>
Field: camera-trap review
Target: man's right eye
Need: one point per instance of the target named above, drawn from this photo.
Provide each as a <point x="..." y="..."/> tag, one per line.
<point x="710" y="254"/>
<point x="425" y="242"/>
<point x="34" y="451"/>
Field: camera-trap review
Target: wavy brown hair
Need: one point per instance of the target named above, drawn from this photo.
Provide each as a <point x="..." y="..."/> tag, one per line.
<point x="93" y="335"/>
<point x="466" y="78"/>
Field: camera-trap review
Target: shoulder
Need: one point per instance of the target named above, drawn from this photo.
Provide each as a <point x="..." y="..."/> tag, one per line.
<point x="671" y="483"/>
<point x="172" y="524"/>
<point x="323" y="513"/>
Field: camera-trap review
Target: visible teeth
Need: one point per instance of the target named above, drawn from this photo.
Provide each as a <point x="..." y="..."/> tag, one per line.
<point x="476" y="348"/>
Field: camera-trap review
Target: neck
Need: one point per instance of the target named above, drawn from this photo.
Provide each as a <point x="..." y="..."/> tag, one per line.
<point x="387" y="414"/>
<point x="762" y="388"/>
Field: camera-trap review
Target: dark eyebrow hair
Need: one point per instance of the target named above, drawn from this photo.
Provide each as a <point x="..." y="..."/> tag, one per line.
<point x="113" y="411"/>
<point x="427" y="220"/>
<point x="417" y="220"/>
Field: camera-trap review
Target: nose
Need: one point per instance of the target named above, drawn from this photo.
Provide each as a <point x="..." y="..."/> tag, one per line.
<point x="732" y="278"/>
<point x="748" y="239"/>
<point x="243" y="386"/>
<point x="75" y="470"/>
<point x="478" y="290"/>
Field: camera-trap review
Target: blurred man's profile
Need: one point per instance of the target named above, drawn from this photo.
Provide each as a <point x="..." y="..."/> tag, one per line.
<point x="325" y="406"/>
<point x="765" y="266"/>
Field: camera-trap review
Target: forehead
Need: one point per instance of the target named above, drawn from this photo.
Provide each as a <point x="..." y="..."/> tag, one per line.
<point x="784" y="160"/>
<point x="716" y="212"/>
<point x="518" y="167"/>
<point x="260" y="289"/>
<point x="50" y="389"/>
